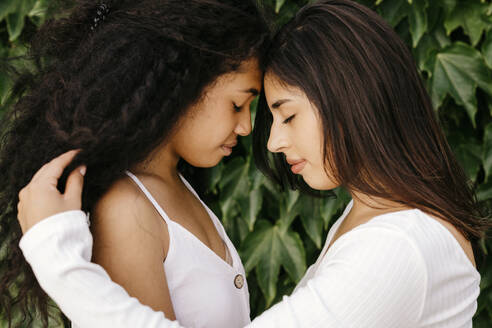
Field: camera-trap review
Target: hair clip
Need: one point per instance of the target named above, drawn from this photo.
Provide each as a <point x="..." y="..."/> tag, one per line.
<point x="102" y="11"/>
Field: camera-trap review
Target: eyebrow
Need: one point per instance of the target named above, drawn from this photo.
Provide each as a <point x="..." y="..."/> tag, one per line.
<point x="253" y="91"/>
<point x="279" y="103"/>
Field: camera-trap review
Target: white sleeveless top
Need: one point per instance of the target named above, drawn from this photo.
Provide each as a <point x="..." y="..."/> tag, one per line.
<point x="205" y="290"/>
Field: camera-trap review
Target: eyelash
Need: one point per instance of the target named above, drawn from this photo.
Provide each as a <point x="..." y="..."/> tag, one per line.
<point x="287" y="120"/>
<point x="237" y="108"/>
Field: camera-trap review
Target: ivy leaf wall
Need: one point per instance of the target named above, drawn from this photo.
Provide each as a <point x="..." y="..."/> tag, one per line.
<point x="279" y="234"/>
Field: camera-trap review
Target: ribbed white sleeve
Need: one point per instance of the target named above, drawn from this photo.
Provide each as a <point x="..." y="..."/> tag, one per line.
<point x="374" y="277"/>
<point x="59" y="251"/>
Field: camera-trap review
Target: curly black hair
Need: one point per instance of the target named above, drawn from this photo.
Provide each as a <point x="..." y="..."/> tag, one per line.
<point x="116" y="91"/>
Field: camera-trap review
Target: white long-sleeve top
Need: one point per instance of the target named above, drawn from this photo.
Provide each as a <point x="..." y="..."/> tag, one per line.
<point x="401" y="269"/>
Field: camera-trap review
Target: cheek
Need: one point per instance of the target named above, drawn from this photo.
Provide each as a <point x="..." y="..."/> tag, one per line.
<point x="309" y="142"/>
<point x="200" y="151"/>
<point x="200" y="145"/>
<point x="202" y="134"/>
<point x="317" y="177"/>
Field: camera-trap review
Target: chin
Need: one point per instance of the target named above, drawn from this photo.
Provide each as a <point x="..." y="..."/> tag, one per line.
<point x="206" y="162"/>
<point x="319" y="183"/>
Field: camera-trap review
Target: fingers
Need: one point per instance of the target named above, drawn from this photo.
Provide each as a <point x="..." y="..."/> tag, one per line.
<point x="75" y="184"/>
<point x="55" y="167"/>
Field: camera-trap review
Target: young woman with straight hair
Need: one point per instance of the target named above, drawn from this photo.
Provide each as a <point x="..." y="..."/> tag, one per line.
<point x="343" y="105"/>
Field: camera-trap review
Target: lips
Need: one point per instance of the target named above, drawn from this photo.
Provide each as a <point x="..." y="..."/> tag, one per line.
<point x="227" y="148"/>
<point x="294" y="161"/>
<point x="296" y="165"/>
<point x="230" y="145"/>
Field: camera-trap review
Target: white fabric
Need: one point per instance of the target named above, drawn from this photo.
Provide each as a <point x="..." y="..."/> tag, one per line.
<point x="201" y="284"/>
<point x="401" y="269"/>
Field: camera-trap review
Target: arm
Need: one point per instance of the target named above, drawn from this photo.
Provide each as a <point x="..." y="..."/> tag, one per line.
<point x="130" y="243"/>
<point x="59" y="249"/>
<point x="374" y="278"/>
<point x="53" y="223"/>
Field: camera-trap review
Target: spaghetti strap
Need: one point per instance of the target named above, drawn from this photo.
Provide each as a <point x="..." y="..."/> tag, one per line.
<point x="149" y="196"/>
<point x="190" y="188"/>
<point x="211" y="214"/>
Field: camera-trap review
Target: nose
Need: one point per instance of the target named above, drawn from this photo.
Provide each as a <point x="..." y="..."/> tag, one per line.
<point x="277" y="141"/>
<point x="243" y="126"/>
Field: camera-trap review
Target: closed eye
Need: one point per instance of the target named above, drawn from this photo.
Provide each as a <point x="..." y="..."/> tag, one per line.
<point x="287" y="120"/>
<point x="236" y="107"/>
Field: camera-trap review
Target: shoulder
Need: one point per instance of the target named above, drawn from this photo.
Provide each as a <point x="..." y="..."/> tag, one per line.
<point x="433" y="236"/>
<point x="379" y="269"/>
<point x="124" y="193"/>
<point x="382" y="255"/>
<point x="377" y="243"/>
<point x="125" y="213"/>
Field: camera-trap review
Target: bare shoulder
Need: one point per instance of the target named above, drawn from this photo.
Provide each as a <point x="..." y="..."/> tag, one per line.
<point x="124" y="213"/>
<point x="130" y="244"/>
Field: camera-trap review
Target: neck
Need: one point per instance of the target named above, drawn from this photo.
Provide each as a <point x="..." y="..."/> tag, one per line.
<point x="366" y="206"/>
<point x="162" y="163"/>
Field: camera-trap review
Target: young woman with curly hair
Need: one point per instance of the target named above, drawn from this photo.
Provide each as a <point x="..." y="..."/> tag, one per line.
<point x="343" y="105"/>
<point x="138" y="86"/>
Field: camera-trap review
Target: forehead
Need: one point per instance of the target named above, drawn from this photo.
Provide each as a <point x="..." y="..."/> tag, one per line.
<point x="247" y="76"/>
<point x="275" y="89"/>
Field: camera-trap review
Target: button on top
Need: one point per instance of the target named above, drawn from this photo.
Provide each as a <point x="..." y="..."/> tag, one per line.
<point x="239" y="281"/>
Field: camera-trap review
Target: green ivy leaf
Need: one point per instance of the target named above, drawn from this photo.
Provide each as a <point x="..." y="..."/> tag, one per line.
<point x="289" y="208"/>
<point x="417" y="17"/>
<point x="288" y="10"/>
<point x="267" y="248"/>
<point x="251" y="206"/>
<point x="458" y="70"/>
<point x="487" y="151"/>
<point x="489" y="103"/>
<point x="447" y="5"/>
<point x="467" y="148"/>
<point x="428" y="46"/>
<point x="252" y="201"/>
<point x="255" y="244"/>
<point x="39" y="8"/>
<point x="15" y="24"/>
<point x="393" y="11"/>
<point x="468" y="14"/>
<point x="6" y="7"/>
<point x="484" y="192"/>
<point x="234" y="185"/>
<point x="469" y="156"/>
<point x="293" y="255"/>
<point x="487" y="49"/>
<point x="5" y="84"/>
<point x="215" y="176"/>
<point x="15" y="19"/>
<point x="38" y="13"/>
<point x="312" y="221"/>
<point x="330" y="206"/>
<point x="278" y="5"/>
<point x="261" y="249"/>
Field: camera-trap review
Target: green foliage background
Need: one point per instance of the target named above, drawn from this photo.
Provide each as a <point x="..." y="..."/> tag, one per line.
<point x="279" y="234"/>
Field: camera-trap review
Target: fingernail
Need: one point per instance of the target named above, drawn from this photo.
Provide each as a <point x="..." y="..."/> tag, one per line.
<point x="83" y="170"/>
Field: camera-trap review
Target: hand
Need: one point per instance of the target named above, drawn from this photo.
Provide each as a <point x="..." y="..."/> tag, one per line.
<point x="41" y="198"/>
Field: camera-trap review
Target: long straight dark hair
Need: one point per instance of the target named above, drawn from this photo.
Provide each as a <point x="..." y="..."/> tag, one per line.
<point x="381" y="134"/>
